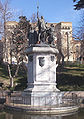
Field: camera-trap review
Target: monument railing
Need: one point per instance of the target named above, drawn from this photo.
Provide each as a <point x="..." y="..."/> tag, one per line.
<point x="63" y="102"/>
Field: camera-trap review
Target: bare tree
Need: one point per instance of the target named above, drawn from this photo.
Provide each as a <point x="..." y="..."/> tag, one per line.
<point x="80" y="34"/>
<point x="34" y="18"/>
<point x="64" y="45"/>
<point x="5" y="16"/>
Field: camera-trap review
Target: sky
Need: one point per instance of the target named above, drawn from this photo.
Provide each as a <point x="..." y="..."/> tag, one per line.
<point x="54" y="11"/>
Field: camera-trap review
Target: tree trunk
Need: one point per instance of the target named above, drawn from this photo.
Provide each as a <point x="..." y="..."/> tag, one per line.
<point x="11" y="77"/>
<point x="62" y="60"/>
<point x="11" y="82"/>
<point x="16" y="71"/>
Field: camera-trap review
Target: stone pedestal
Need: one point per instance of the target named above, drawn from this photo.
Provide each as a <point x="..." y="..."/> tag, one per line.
<point x="42" y="66"/>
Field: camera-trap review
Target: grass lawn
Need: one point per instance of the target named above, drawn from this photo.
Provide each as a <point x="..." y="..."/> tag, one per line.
<point x="20" y="82"/>
<point x="4" y="75"/>
<point x="71" y="78"/>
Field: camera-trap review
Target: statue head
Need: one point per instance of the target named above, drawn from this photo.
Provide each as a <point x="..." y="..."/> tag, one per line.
<point x="52" y="25"/>
<point x="41" y="17"/>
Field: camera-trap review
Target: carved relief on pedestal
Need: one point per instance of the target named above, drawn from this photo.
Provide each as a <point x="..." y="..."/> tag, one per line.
<point x="41" y="61"/>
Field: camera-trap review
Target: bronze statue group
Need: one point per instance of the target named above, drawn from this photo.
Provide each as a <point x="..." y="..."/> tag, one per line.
<point x="41" y="33"/>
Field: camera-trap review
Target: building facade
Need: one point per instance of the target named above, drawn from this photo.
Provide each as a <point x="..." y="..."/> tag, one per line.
<point x="7" y="44"/>
<point x="64" y="40"/>
<point x="66" y="45"/>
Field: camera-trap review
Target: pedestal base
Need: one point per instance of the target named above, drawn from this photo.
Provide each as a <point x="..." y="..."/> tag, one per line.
<point x="42" y="98"/>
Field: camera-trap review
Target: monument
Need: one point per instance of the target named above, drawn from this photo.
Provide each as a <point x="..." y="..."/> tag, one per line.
<point x="42" y="66"/>
<point x="42" y="95"/>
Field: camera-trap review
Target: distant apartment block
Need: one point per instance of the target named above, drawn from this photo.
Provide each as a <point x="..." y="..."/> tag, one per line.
<point x="68" y="47"/>
<point x="10" y="25"/>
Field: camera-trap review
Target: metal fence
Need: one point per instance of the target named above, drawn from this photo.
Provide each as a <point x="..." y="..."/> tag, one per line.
<point x="43" y="101"/>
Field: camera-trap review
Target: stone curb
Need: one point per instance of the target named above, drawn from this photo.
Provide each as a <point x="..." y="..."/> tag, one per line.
<point x="36" y="110"/>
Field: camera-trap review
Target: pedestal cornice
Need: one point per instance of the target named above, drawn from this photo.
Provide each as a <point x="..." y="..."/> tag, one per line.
<point x="42" y="49"/>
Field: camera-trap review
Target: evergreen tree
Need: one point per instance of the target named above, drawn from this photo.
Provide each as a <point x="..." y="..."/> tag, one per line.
<point x="18" y="46"/>
<point x="79" y="5"/>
